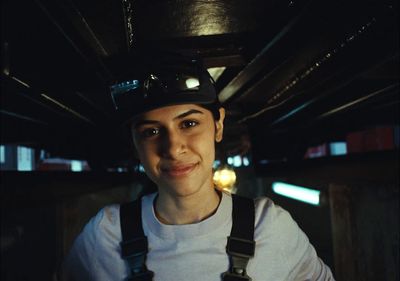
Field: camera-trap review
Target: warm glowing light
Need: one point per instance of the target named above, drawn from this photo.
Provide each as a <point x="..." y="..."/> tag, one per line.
<point x="224" y="178"/>
<point x="303" y="194"/>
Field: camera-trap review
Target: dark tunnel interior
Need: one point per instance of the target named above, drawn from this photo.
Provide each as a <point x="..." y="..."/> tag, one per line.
<point x="311" y="92"/>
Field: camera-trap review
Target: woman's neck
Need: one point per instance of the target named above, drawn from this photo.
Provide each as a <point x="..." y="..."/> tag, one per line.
<point x="188" y="209"/>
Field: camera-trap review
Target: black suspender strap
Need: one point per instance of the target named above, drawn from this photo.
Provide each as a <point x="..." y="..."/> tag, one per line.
<point x="241" y="244"/>
<point x="134" y="245"/>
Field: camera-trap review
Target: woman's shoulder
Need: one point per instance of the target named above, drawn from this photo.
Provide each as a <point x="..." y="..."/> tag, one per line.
<point x="92" y="243"/>
<point x="266" y="209"/>
<point x="272" y="219"/>
<point x="105" y="218"/>
<point x="102" y="227"/>
<point x="107" y="221"/>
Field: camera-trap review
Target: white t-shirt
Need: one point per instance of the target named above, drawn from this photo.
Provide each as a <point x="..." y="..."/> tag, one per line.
<point x="196" y="252"/>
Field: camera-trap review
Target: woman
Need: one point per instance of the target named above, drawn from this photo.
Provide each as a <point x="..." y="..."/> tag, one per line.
<point x="175" y="125"/>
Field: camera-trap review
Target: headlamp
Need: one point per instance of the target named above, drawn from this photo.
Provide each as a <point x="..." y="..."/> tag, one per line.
<point x="163" y="85"/>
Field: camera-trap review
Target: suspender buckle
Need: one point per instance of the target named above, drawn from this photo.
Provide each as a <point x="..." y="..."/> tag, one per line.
<point x="142" y="276"/>
<point x="227" y="276"/>
<point x="240" y="247"/>
<point x="239" y="251"/>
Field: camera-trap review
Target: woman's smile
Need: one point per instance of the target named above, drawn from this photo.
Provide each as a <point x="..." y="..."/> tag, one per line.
<point x="178" y="171"/>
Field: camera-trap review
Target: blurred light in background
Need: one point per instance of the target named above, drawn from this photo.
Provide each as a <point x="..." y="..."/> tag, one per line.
<point x="238" y="161"/>
<point x="25" y="157"/>
<point x="76" y="166"/>
<point x="2" y="154"/>
<point x="338" y="148"/>
<point x="306" y="195"/>
<point x="224" y="178"/>
<point x="216" y="164"/>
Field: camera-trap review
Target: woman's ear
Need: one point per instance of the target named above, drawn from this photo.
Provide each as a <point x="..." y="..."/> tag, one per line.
<point x="219" y="125"/>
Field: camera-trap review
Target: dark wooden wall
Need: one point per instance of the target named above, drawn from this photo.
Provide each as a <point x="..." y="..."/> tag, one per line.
<point x="42" y="212"/>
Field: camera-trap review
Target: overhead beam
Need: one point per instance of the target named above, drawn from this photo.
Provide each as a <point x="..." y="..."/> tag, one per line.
<point x="23" y="117"/>
<point x="254" y="67"/>
<point x="70" y="22"/>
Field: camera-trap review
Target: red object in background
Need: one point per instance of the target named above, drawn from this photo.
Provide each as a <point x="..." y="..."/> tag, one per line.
<point x="57" y="164"/>
<point x="317" y="151"/>
<point x="53" y="165"/>
<point x="355" y="142"/>
<point x="375" y="139"/>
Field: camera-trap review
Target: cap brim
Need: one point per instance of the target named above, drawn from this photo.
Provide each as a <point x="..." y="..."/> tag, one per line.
<point x="148" y="105"/>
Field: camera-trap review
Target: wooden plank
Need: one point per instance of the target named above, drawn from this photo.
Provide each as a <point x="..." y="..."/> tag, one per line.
<point x="342" y="232"/>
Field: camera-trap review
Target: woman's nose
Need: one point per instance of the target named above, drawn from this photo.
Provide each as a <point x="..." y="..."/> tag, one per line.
<point x="173" y="145"/>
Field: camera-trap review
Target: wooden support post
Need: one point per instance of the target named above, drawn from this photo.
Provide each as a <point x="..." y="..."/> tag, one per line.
<point x="365" y="231"/>
<point x="344" y="248"/>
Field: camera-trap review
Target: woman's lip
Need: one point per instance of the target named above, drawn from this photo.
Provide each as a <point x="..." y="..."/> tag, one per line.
<point x="178" y="171"/>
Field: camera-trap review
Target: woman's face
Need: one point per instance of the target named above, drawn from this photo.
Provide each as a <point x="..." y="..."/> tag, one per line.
<point x="176" y="146"/>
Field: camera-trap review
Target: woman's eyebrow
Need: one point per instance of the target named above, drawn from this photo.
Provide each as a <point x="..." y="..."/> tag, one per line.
<point x="144" y="122"/>
<point x="152" y="122"/>
<point x="187" y="113"/>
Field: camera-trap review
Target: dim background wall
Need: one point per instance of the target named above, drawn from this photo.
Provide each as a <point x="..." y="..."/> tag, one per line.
<point x="42" y="212"/>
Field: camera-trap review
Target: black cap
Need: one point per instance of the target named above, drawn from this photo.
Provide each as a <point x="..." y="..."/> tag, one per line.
<point x="161" y="81"/>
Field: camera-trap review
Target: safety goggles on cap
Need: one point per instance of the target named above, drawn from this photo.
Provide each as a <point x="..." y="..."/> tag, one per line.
<point x="162" y="86"/>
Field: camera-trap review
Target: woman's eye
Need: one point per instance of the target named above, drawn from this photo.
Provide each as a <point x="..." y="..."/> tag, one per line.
<point x="149" y="132"/>
<point x="189" y="124"/>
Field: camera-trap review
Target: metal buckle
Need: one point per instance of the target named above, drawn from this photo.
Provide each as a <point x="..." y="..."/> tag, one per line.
<point x="141" y="276"/>
<point x="235" y="245"/>
<point x="228" y="276"/>
<point x="239" y="251"/>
